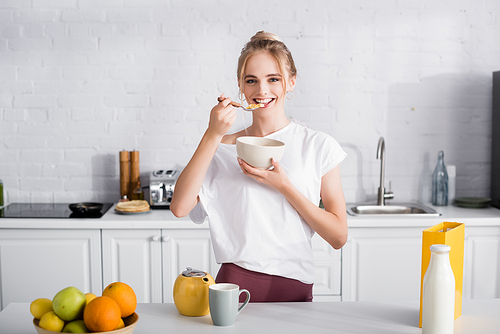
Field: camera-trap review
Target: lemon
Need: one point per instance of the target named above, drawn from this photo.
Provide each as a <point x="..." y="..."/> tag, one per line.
<point x="121" y="324"/>
<point x="89" y="297"/>
<point x="51" y="322"/>
<point x="40" y="306"/>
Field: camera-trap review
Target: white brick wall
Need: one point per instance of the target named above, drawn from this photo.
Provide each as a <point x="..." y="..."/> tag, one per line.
<point x="81" y="80"/>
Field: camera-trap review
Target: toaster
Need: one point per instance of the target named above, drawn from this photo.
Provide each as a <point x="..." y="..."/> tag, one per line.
<point x="161" y="187"/>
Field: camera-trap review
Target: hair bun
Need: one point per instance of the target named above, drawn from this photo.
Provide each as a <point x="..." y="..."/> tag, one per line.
<point x="263" y="36"/>
<point x="268" y="42"/>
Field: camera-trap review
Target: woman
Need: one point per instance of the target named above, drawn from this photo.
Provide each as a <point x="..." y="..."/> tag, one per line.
<point x="262" y="221"/>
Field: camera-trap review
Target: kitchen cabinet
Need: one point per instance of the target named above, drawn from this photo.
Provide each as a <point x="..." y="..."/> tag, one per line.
<point x="384" y="264"/>
<point x="150" y="260"/>
<point x="482" y="262"/>
<point x="37" y="263"/>
<point x="327" y="263"/>
<point x="134" y="257"/>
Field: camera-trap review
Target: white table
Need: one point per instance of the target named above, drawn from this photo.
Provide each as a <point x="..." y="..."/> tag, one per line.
<point x="478" y="317"/>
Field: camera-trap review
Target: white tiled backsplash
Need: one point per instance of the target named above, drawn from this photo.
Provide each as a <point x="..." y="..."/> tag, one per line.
<point x="83" y="79"/>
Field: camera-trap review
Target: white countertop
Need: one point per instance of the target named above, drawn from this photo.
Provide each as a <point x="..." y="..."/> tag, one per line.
<point x="164" y="219"/>
<point x="489" y="216"/>
<point x="478" y="317"/>
<point x="154" y="219"/>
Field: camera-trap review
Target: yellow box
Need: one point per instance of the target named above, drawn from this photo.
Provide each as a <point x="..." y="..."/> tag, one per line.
<point x="453" y="235"/>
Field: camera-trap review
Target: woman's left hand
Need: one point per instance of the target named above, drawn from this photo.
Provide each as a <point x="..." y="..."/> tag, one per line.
<point x="275" y="177"/>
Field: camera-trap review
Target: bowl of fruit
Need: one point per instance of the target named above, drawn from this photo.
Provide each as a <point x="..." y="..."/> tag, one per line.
<point x="72" y="311"/>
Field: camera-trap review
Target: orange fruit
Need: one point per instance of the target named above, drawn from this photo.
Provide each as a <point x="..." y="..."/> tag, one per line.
<point x="102" y="314"/>
<point x="123" y="295"/>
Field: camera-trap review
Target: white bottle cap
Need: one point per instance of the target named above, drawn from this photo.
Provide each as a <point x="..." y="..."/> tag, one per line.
<point x="440" y="248"/>
<point x="451" y="170"/>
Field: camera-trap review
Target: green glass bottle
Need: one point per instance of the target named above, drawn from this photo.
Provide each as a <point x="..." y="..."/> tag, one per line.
<point x="440" y="182"/>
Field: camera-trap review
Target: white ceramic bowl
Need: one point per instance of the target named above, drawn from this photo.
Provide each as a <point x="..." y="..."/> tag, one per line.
<point x="258" y="151"/>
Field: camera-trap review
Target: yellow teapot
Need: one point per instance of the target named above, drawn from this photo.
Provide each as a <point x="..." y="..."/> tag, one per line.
<point x="191" y="292"/>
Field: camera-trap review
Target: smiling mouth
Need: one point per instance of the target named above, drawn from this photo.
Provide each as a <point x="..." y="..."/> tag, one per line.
<point x="265" y="102"/>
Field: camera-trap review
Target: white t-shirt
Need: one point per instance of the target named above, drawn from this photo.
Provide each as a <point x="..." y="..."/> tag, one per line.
<point x="253" y="225"/>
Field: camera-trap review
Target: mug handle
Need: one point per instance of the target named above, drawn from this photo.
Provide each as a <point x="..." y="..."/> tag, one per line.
<point x="246" y="300"/>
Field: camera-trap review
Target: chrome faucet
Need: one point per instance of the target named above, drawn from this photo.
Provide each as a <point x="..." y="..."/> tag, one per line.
<point x="382" y="195"/>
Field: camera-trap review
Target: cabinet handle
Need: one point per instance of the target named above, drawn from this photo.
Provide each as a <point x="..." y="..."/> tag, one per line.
<point x="155" y="238"/>
<point x="166" y="238"/>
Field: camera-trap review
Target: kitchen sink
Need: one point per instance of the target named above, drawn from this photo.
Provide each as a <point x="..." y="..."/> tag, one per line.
<point x="381" y="208"/>
<point x="403" y="209"/>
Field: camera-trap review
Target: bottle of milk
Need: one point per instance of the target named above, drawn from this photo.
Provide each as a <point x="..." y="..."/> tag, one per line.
<point x="438" y="314"/>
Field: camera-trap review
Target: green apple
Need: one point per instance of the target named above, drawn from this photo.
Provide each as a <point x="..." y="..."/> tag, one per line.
<point x="69" y="303"/>
<point x="77" y="326"/>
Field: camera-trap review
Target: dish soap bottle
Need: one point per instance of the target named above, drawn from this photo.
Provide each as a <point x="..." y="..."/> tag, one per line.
<point x="438" y="303"/>
<point x="1" y="192"/>
<point x="452" y="183"/>
<point x="440" y="182"/>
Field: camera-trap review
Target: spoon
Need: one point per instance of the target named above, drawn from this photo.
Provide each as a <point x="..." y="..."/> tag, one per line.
<point x="251" y="107"/>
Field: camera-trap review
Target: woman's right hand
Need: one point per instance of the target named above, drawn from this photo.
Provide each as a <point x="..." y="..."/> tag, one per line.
<point x="189" y="183"/>
<point x="222" y="117"/>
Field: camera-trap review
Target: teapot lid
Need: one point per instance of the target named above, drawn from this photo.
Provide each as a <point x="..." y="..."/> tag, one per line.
<point x="190" y="272"/>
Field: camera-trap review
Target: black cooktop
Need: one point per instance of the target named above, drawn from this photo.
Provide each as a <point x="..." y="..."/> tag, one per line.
<point x="47" y="210"/>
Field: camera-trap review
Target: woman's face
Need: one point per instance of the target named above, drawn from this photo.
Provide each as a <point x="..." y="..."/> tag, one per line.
<point x="263" y="83"/>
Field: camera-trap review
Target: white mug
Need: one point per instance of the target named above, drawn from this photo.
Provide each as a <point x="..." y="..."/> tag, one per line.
<point x="223" y="300"/>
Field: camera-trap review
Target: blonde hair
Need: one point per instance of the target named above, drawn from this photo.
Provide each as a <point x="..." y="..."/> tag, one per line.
<point x="267" y="42"/>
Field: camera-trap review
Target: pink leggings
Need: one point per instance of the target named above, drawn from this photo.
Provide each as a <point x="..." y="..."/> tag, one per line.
<point x="264" y="287"/>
